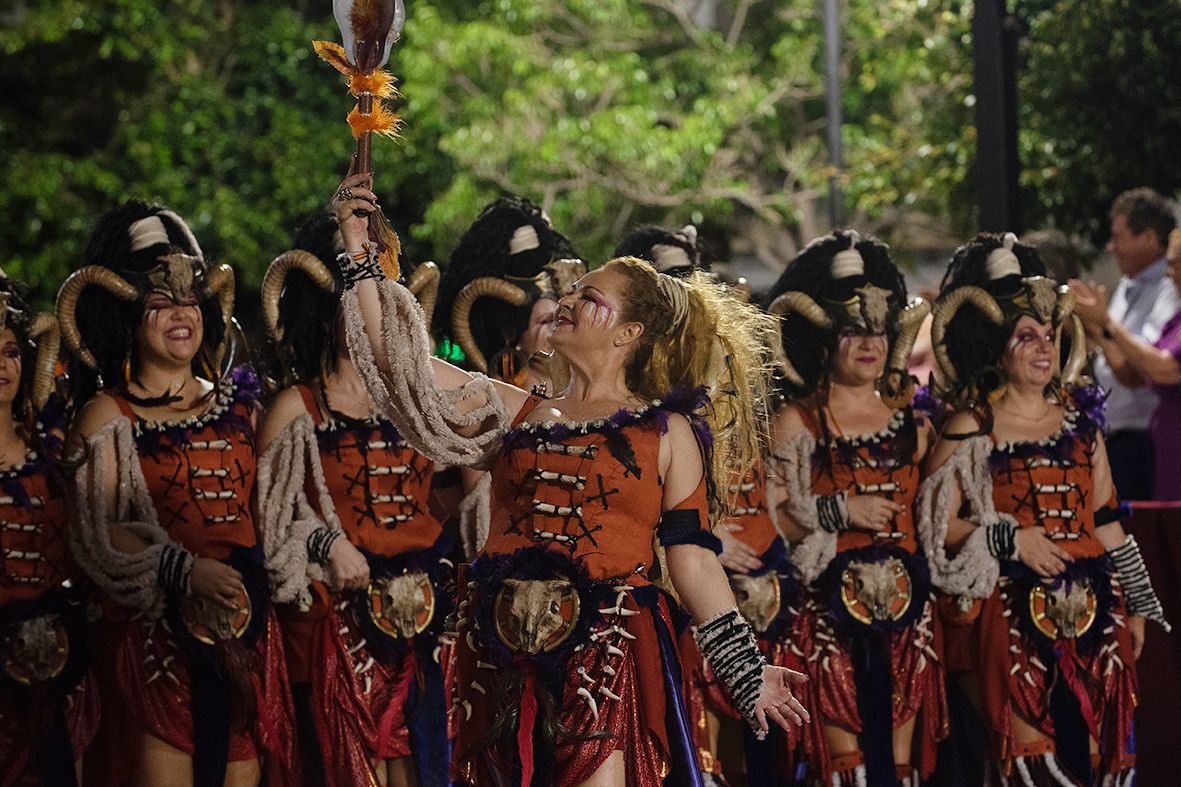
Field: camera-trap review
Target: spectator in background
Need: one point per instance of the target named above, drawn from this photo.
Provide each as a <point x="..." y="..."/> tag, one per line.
<point x="1125" y="330"/>
<point x="1061" y="254"/>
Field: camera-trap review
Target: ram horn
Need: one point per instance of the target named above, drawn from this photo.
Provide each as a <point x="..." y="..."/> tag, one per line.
<point x="220" y="282"/>
<point x="461" y="313"/>
<point x="810" y="310"/>
<point x="945" y="309"/>
<point x="909" y="324"/>
<point x="1073" y="369"/>
<point x="67" y="304"/>
<point x="275" y="279"/>
<point x="1063" y="305"/>
<point x="46" y="334"/>
<point x="424" y="285"/>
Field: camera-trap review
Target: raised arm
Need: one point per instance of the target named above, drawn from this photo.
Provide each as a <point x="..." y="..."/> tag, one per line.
<point x="443" y="412"/>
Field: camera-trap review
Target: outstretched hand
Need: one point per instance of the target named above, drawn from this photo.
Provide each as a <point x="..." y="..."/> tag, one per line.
<point x="736" y="555"/>
<point x="776" y="700"/>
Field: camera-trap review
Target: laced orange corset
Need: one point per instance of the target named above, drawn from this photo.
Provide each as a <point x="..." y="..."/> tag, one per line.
<point x="379" y="486"/>
<point x="200" y="471"/>
<point x="1050" y="483"/>
<point x="34" y="554"/>
<point x="564" y="486"/>
<point x="869" y="465"/>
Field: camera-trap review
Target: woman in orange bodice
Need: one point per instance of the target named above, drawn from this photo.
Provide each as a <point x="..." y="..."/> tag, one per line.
<point x="1046" y="593"/>
<point x="358" y="563"/>
<point x="844" y="472"/>
<point x="566" y="657"/>
<point x="49" y="702"/>
<point x="165" y="516"/>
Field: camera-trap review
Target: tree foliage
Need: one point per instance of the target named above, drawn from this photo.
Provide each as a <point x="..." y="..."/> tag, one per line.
<point x="1100" y="106"/>
<point x="609" y="112"/>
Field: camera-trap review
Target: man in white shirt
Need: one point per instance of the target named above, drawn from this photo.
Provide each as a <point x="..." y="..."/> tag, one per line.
<point x="1143" y="302"/>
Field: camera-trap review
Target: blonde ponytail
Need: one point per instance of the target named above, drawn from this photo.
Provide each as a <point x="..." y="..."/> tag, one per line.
<point x="719" y="343"/>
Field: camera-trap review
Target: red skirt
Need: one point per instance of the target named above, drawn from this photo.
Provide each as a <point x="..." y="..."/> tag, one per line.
<point x="358" y="697"/>
<point x="21" y="714"/>
<point x="611" y="697"/>
<point x="152" y="681"/>
<point x="831" y="693"/>
<point x="1014" y="678"/>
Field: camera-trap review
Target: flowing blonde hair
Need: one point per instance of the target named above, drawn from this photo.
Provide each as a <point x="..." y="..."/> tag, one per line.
<point x="720" y="344"/>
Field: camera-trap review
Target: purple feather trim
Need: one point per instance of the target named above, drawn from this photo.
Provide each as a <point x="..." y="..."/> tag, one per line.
<point x="927" y="404"/>
<point x="1096" y="570"/>
<point x="687" y="402"/>
<point x="1082" y="422"/>
<point x="831" y="582"/>
<point x="51" y="425"/>
<point x="1091" y="402"/>
<point x="234" y="403"/>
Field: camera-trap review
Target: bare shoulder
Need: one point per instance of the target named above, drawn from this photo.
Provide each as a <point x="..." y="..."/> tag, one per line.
<point x="961" y="423"/>
<point x="788" y="422"/>
<point x="95" y="414"/>
<point x="285" y="407"/>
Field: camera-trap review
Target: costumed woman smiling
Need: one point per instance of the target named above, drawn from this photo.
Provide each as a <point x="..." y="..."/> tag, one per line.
<point x="566" y="658"/>
<point x="49" y="701"/>
<point x="1047" y="594"/>
<point x="357" y="562"/>
<point x="843" y="476"/>
<point x="165" y="524"/>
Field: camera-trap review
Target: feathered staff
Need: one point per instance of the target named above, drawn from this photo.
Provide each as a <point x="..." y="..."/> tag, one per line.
<point x="369" y="28"/>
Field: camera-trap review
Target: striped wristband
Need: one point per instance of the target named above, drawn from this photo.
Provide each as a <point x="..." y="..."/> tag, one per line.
<point x="1001" y="538"/>
<point x="320" y="543"/>
<point x="728" y="644"/>
<point x="176" y="564"/>
<point x="1139" y="597"/>
<point x="832" y="512"/>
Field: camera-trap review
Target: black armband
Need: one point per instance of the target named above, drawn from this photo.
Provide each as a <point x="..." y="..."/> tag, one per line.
<point x="1001" y="538"/>
<point x="354" y="269"/>
<point x="832" y="512"/>
<point x="1109" y="514"/>
<point x="320" y="543"/>
<point x="1139" y="597"/>
<point x="176" y="564"/>
<point x="683" y="526"/>
<point x="728" y="645"/>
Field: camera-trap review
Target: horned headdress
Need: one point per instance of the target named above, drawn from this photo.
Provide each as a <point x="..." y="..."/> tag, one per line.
<point x="1001" y="280"/>
<point x="300" y="323"/>
<point x="841" y="281"/>
<point x="506" y="261"/>
<point x="135" y="250"/>
<point x="37" y="331"/>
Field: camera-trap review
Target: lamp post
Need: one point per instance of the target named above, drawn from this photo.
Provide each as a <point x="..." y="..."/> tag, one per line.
<point x="832" y="97"/>
<point x="994" y="55"/>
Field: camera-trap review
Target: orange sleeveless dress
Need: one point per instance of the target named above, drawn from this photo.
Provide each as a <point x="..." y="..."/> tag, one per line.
<point x="200" y="476"/>
<point x="1020" y="658"/>
<point x="901" y="657"/>
<point x="582" y="502"/>
<point x="49" y="702"/>
<point x="373" y="695"/>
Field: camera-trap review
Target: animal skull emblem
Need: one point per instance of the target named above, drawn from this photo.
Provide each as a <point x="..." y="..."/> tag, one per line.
<point x="35" y="650"/>
<point x="758" y="598"/>
<point x="402" y="606"/>
<point x="210" y="622"/>
<point x="535" y="615"/>
<point x="1066" y="610"/>
<point x="876" y="591"/>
